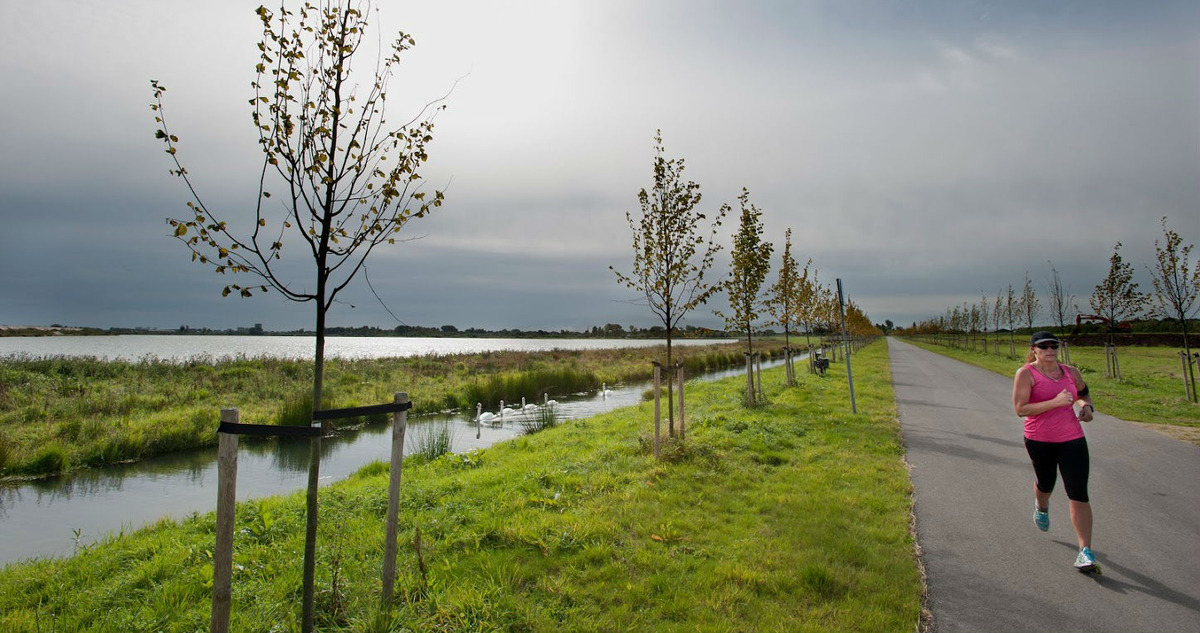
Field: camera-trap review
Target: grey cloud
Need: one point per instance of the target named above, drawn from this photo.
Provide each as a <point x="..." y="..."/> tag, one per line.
<point x="922" y="152"/>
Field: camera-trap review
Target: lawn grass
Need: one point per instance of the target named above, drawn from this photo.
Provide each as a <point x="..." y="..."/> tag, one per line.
<point x="1151" y="390"/>
<point x="791" y="516"/>
<point x="60" y="413"/>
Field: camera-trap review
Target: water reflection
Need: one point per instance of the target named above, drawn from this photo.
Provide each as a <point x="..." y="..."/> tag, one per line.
<point x="38" y="518"/>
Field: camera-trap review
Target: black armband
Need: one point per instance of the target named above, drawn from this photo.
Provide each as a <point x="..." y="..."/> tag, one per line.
<point x="1083" y="392"/>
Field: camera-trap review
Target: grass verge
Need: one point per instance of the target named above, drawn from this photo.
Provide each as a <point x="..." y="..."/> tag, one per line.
<point x="58" y="413"/>
<point x="1151" y="391"/>
<point x="791" y="516"/>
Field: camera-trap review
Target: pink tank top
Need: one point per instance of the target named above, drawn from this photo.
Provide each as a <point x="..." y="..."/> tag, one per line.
<point x="1055" y="425"/>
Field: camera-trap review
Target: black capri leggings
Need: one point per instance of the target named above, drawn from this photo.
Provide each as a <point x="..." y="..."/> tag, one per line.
<point x="1070" y="457"/>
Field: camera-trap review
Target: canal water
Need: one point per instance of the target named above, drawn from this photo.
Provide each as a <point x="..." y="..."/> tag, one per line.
<point x="170" y="347"/>
<point x="54" y="516"/>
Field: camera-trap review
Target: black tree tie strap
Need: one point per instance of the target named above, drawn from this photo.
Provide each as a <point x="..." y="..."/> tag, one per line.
<point x="270" y="430"/>
<point x="352" y="412"/>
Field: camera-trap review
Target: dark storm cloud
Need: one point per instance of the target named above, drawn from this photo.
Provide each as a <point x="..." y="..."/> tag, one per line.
<point x="923" y="152"/>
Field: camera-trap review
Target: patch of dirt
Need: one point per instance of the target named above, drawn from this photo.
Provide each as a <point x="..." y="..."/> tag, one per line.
<point x="1189" y="434"/>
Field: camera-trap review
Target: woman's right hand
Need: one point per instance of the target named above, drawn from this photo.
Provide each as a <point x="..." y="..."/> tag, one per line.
<point x="1064" y="399"/>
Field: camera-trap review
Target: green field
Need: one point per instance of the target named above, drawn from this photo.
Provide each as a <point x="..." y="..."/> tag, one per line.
<point x="792" y="516"/>
<point x="1151" y="390"/>
<point x="57" y="414"/>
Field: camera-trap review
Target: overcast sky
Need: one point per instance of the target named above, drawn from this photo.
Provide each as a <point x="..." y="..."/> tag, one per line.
<point x="924" y="152"/>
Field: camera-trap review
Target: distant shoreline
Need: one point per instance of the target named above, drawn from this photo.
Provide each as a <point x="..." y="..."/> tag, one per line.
<point x="400" y="332"/>
<point x="51" y="330"/>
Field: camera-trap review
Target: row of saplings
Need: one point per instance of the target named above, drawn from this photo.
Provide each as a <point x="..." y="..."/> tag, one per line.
<point x="673" y="378"/>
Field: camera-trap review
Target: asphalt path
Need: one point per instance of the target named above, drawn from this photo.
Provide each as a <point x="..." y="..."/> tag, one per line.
<point x="988" y="566"/>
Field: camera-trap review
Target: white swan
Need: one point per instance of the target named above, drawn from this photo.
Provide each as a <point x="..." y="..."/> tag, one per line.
<point x="505" y="410"/>
<point x="604" y="390"/>
<point x="528" y="408"/>
<point x="481" y="415"/>
<point x="548" y="403"/>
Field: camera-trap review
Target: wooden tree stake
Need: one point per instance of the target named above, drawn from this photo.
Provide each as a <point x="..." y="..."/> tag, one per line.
<point x="749" y="380"/>
<point x="1187" y="385"/>
<point x="227" y="446"/>
<point x="399" y="422"/>
<point x="682" y="426"/>
<point x="657" y="416"/>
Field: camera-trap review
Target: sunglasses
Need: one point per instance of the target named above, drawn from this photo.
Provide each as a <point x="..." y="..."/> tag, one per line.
<point x="1047" y="346"/>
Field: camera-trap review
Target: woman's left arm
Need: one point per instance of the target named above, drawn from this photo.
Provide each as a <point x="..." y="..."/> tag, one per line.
<point x="1085" y="414"/>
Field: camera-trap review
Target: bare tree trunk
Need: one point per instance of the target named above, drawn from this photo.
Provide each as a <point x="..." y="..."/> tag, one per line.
<point x="314" y="463"/>
<point x="670" y="390"/>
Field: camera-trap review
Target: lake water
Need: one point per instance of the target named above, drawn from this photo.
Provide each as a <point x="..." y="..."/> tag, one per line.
<point x="40" y="518"/>
<point x="179" y="347"/>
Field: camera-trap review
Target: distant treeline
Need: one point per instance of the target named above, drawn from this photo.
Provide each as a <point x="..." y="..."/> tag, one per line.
<point x="1139" y="326"/>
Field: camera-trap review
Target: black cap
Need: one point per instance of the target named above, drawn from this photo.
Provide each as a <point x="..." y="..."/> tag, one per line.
<point x="1042" y="337"/>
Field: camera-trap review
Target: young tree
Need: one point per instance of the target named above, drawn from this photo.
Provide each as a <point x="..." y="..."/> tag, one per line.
<point x="984" y="315"/>
<point x="1116" y="298"/>
<point x="1061" y="299"/>
<point x="666" y="243"/>
<point x="807" y="302"/>
<point x="974" y="321"/>
<point x="784" y="301"/>
<point x="751" y="261"/>
<point x="1176" y="286"/>
<point x="997" y="317"/>
<point x="828" y="317"/>
<point x="346" y="183"/>
<point x="1030" y="305"/>
<point x="1011" y="310"/>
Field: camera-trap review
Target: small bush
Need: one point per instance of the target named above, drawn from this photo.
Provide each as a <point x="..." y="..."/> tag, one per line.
<point x="433" y="440"/>
<point x="542" y="419"/>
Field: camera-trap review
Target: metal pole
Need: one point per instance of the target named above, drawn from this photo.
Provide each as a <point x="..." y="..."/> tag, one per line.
<point x="849" y="373"/>
<point x="227" y="445"/>
<point x="399" y="422"/>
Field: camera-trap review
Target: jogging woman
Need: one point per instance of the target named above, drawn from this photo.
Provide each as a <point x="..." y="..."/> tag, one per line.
<point x="1044" y="393"/>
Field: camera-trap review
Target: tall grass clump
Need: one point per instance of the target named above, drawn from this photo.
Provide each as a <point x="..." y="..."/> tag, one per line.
<point x="542" y="419"/>
<point x="51" y="459"/>
<point x="295" y="411"/>
<point x="432" y="440"/>
<point x="513" y="386"/>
